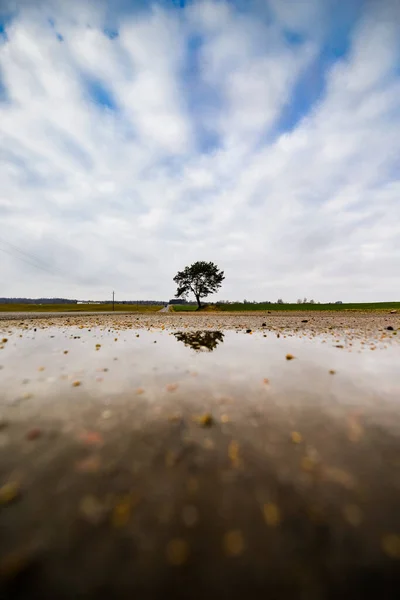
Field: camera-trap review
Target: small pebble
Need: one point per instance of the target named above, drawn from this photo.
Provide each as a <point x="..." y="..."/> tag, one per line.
<point x="190" y="515"/>
<point x="205" y="420"/>
<point x="92" y="510"/>
<point x="233" y="543"/>
<point x="272" y="514"/>
<point x="296" y="437"/>
<point x="9" y="492"/>
<point x="171" y="387"/>
<point x="88" y="465"/>
<point x="33" y="434"/>
<point x="122" y="512"/>
<point x="391" y="545"/>
<point x="289" y="357"/>
<point x="353" y="514"/>
<point x="192" y="485"/>
<point x="177" y="552"/>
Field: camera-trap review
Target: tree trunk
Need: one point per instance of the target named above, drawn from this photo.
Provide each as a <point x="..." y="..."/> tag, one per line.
<point x="198" y="302"/>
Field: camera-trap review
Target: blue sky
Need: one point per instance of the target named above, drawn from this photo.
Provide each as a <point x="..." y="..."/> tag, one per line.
<point x="137" y="137"/>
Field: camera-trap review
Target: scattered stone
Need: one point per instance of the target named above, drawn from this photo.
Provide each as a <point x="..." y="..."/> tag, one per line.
<point x="205" y="420"/>
<point x="9" y="492"/>
<point x="171" y="458"/>
<point x="391" y="545"/>
<point x="307" y="464"/>
<point x="171" y="387"/>
<point x="332" y="372"/>
<point x="272" y="514"/>
<point x="305" y="321"/>
<point x="92" y="510"/>
<point x="177" y="552"/>
<point x="233" y="453"/>
<point x="76" y="384"/>
<point x="353" y="515"/>
<point x="190" y="515"/>
<point x="192" y="485"/>
<point x="289" y="357"/>
<point x="233" y="543"/>
<point x="176" y="418"/>
<point x="393" y="312"/>
<point x="33" y="434"/>
<point x="248" y="331"/>
<point x="296" y="437"/>
<point x="88" y="465"/>
<point x="390" y="328"/>
<point x="15" y="563"/>
<point x="263" y="325"/>
<point x="91" y="438"/>
<point x="340" y="477"/>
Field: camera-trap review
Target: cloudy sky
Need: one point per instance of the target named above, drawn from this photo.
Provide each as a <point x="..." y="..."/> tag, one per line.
<point x="138" y="137"/>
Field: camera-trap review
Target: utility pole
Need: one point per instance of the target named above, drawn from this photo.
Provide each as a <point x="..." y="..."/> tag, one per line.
<point x="113" y="300"/>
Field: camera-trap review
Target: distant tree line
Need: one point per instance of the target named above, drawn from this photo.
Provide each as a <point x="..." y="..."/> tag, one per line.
<point x="37" y="301"/>
<point x="68" y="301"/>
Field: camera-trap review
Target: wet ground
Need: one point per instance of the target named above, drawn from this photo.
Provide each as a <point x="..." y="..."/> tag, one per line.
<point x="200" y="456"/>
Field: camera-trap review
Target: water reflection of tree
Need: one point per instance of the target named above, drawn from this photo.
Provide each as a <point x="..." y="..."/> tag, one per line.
<point x="200" y="340"/>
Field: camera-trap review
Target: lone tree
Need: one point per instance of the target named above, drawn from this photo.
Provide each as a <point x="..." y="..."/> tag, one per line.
<point x="201" y="278"/>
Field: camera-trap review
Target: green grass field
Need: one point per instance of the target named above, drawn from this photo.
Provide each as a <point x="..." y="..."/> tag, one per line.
<point x="240" y="307"/>
<point x="78" y="307"/>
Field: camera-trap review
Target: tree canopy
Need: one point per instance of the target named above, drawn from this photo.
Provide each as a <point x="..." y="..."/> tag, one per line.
<point x="201" y="278"/>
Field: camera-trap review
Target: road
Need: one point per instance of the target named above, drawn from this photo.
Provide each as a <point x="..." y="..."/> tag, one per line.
<point x="165" y="309"/>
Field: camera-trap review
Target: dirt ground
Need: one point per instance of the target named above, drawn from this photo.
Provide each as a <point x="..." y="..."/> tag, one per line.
<point x="194" y="486"/>
<point x="324" y="321"/>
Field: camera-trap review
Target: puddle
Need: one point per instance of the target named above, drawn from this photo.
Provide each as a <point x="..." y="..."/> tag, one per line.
<point x="325" y="370"/>
<point x="138" y="457"/>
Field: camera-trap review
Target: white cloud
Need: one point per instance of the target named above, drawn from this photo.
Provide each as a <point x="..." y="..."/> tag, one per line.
<point x="123" y="198"/>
